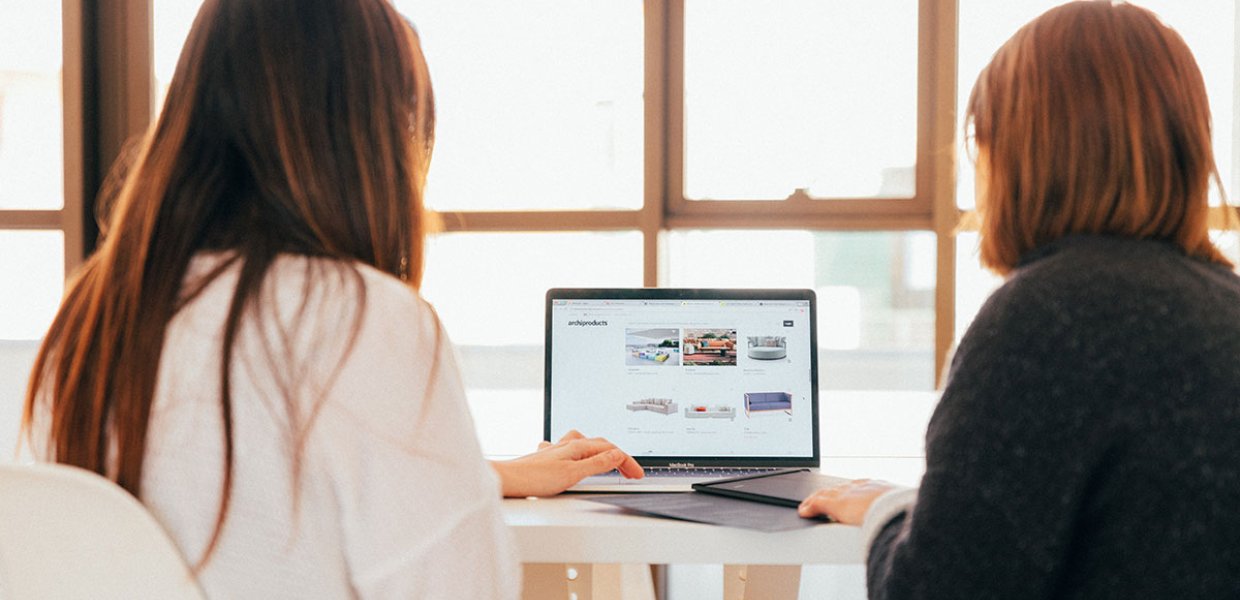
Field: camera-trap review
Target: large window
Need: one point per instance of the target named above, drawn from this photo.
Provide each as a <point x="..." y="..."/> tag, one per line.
<point x="32" y="189"/>
<point x="622" y="143"/>
<point x="582" y="144"/>
<point x="715" y="143"/>
<point x="600" y="149"/>
<point x="551" y="124"/>
<point x="809" y="95"/>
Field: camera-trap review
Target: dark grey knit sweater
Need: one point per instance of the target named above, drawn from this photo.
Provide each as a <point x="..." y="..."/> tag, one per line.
<point x="1088" y="442"/>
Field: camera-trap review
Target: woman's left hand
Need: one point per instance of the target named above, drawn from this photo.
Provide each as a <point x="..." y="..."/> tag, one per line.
<point x="557" y="467"/>
<point x="845" y="503"/>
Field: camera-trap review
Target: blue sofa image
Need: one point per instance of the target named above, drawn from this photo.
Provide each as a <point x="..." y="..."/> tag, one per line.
<point x="767" y="401"/>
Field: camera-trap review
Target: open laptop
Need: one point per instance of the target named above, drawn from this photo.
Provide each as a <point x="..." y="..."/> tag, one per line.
<point x="694" y="383"/>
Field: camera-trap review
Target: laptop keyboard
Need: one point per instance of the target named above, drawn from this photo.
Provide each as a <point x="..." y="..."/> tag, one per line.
<point x="705" y="471"/>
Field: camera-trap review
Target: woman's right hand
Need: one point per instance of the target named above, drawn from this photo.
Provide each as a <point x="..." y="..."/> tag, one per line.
<point x="557" y="467"/>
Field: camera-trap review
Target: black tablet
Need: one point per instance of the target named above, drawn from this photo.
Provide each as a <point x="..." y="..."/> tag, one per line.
<point x="784" y="488"/>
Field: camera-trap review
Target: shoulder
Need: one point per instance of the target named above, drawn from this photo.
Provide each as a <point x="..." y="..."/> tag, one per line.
<point x="303" y="299"/>
<point x="1094" y="282"/>
<point x="368" y="344"/>
<point x="345" y="329"/>
<point x="325" y="279"/>
<point x="346" y="298"/>
<point x="1092" y="305"/>
<point x="1111" y="266"/>
<point x="1088" y="270"/>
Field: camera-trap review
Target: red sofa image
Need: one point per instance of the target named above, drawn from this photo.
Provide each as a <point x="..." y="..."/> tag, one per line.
<point x="702" y="345"/>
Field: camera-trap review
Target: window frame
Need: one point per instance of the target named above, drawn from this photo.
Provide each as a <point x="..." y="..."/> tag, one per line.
<point x="106" y="90"/>
<point x="108" y="86"/>
<point x="665" y="207"/>
<point x="918" y="208"/>
<point x="66" y="219"/>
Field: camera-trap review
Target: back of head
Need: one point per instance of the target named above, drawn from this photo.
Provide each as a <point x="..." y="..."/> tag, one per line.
<point x="305" y="125"/>
<point x="1092" y="119"/>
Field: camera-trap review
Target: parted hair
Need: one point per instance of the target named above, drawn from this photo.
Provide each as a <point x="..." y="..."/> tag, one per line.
<point x="1092" y="119"/>
<point x="291" y="127"/>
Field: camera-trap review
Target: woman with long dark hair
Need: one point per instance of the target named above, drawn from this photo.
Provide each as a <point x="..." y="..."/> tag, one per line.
<point x="1087" y="444"/>
<point x="246" y="351"/>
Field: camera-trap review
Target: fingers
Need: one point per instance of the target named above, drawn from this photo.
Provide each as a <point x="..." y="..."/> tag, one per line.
<point x="847" y="503"/>
<point x="819" y="503"/>
<point x="603" y="452"/>
<point x="602" y="462"/>
<point x="587" y="447"/>
<point x="825" y="501"/>
<point x="598" y="453"/>
<point x="630" y="469"/>
<point x="572" y="434"/>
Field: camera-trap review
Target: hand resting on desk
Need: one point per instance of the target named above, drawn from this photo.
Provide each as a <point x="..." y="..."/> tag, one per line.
<point x="845" y="503"/>
<point x="557" y="467"/>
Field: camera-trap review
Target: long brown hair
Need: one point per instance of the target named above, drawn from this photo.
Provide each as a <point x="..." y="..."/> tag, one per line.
<point x="291" y="127"/>
<point x="1092" y="118"/>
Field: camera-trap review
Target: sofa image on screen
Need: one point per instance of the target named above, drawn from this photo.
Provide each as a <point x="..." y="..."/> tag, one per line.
<point x="695" y="346"/>
<point x="701" y="411"/>
<point x="767" y="347"/>
<point x="709" y="347"/>
<point x="662" y="406"/>
<point x="655" y="355"/>
<point x="767" y="402"/>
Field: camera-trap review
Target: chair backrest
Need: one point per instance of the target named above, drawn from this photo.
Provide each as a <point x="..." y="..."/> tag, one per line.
<point x="69" y="533"/>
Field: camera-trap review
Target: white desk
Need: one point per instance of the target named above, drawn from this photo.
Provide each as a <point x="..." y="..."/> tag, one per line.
<point x="569" y="530"/>
<point x="865" y="434"/>
<point x="577" y="549"/>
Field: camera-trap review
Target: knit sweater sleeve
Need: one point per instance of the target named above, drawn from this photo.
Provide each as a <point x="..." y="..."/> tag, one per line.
<point x="1009" y="452"/>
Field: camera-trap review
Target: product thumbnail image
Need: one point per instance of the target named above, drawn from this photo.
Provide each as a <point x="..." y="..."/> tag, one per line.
<point x="701" y="411"/>
<point x="663" y="406"/>
<point x="767" y="402"/>
<point x="652" y="347"/>
<point x="767" y="347"/>
<point x="710" y="347"/>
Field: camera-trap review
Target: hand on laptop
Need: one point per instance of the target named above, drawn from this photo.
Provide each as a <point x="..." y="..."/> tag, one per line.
<point x="845" y="503"/>
<point x="556" y="467"/>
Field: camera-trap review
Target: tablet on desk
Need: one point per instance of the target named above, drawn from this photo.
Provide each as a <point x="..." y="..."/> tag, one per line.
<point x="784" y="488"/>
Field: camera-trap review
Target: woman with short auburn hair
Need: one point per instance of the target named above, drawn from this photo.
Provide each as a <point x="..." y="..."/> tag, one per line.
<point x="1085" y="85"/>
<point x="247" y="353"/>
<point x="1086" y="442"/>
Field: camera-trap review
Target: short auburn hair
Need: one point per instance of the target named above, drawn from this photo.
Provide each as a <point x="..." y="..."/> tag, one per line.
<point x="1092" y="119"/>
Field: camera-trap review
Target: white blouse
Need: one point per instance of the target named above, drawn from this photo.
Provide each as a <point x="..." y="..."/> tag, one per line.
<point x="369" y="483"/>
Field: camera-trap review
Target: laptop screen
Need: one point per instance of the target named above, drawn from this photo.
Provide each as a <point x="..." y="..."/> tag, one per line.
<point x="721" y="377"/>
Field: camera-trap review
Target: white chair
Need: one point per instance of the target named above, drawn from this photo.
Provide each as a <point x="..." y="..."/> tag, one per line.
<point x="68" y="533"/>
